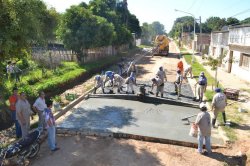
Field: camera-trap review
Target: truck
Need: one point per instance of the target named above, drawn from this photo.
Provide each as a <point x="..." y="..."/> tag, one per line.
<point x="161" y="45"/>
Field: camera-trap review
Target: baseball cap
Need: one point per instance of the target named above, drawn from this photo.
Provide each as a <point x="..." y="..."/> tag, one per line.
<point x="203" y="105"/>
<point x="217" y="90"/>
<point x="202" y="73"/>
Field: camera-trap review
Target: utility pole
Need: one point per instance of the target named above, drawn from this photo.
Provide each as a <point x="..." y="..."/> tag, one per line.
<point x="200" y="37"/>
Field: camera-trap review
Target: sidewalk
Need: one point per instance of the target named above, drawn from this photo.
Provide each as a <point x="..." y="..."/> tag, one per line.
<point x="226" y="79"/>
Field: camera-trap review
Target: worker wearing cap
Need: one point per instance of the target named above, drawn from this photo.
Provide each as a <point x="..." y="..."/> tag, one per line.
<point x="119" y="81"/>
<point x="178" y="83"/>
<point x="188" y="70"/>
<point x="98" y="83"/>
<point x="130" y="81"/>
<point x="219" y="103"/>
<point x="203" y="122"/>
<point x="161" y="74"/>
<point x="109" y="76"/>
<point x="202" y="85"/>
<point x="159" y="84"/>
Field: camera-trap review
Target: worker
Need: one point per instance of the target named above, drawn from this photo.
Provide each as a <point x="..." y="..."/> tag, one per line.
<point x="132" y="68"/>
<point x="203" y="122"/>
<point x="159" y="84"/>
<point x="188" y="70"/>
<point x="98" y="83"/>
<point x="161" y="74"/>
<point x="219" y="103"/>
<point x="202" y="82"/>
<point x="180" y="66"/>
<point x="178" y="83"/>
<point x="109" y="76"/>
<point x="130" y="81"/>
<point x="119" y="81"/>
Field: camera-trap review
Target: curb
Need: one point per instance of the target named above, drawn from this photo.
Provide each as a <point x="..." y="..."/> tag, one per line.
<point x="108" y="134"/>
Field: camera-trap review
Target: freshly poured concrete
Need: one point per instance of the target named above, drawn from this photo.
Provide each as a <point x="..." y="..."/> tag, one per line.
<point x="132" y="117"/>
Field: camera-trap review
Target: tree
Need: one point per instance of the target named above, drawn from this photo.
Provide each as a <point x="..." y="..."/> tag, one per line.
<point x="22" y="24"/>
<point x="134" y="25"/>
<point x="118" y="14"/>
<point x="246" y="21"/>
<point x="215" y="23"/>
<point x="232" y="21"/>
<point x="149" y="31"/>
<point x="80" y="30"/>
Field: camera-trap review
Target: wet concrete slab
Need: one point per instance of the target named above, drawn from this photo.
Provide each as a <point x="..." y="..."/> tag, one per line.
<point x="169" y="91"/>
<point x="132" y="117"/>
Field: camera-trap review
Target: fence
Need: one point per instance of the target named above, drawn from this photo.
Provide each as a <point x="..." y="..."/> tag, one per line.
<point x="53" y="57"/>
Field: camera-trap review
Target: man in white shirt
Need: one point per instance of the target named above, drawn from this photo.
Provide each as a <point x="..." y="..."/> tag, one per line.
<point x="119" y="81"/>
<point x="161" y="74"/>
<point x="39" y="107"/>
<point x="159" y="86"/>
<point x="23" y="113"/>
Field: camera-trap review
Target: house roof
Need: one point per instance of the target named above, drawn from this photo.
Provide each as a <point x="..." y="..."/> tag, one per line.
<point x="239" y="26"/>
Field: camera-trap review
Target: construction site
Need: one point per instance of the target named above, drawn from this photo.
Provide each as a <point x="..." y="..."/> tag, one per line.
<point x="124" y="129"/>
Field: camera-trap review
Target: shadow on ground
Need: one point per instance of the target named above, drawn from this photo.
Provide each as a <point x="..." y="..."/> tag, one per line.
<point x="228" y="160"/>
<point x="102" y="118"/>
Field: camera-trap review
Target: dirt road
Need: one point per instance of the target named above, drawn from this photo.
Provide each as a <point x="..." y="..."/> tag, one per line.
<point x="91" y="151"/>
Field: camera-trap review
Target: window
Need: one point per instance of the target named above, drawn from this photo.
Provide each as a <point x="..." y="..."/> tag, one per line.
<point x="245" y="60"/>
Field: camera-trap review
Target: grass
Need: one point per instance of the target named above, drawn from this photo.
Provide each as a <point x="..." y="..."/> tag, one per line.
<point x="198" y="68"/>
<point x="145" y="46"/>
<point x="235" y="117"/>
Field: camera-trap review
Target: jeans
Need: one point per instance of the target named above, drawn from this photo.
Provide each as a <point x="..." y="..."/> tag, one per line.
<point x="17" y="125"/>
<point x="200" y="143"/>
<point x="52" y="137"/>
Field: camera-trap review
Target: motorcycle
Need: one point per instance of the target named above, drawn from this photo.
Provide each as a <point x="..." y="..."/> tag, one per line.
<point x="23" y="149"/>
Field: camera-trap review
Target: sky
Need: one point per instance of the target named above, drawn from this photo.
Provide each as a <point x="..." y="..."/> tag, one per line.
<point x="164" y="10"/>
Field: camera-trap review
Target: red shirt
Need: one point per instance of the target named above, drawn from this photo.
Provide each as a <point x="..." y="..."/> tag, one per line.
<point x="13" y="100"/>
<point x="180" y="66"/>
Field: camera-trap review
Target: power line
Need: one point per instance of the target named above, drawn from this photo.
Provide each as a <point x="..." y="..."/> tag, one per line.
<point x="245" y="11"/>
<point x="192" y="5"/>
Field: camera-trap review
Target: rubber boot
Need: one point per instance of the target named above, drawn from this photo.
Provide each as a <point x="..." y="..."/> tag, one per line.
<point x="224" y="117"/>
<point x="95" y="90"/>
<point x="213" y="123"/>
<point x="118" y="90"/>
<point x="103" y="91"/>
<point x="133" y="92"/>
<point x="161" y="95"/>
<point x="156" y="94"/>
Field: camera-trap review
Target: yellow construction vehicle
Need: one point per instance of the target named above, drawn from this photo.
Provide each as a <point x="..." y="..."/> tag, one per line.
<point x="161" y="45"/>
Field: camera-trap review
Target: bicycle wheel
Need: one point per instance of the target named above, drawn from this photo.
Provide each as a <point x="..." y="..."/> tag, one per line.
<point x="34" y="149"/>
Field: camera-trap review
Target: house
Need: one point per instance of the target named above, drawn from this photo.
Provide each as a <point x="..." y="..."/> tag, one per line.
<point x="232" y="46"/>
<point x="239" y="51"/>
<point x="219" y="45"/>
<point x="202" y="42"/>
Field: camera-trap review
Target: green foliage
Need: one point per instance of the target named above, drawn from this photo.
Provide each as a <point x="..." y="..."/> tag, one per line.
<point x="22" y="24"/>
<point x="215" y="23"/>
<point x="232" y="21"/>
<point x="57" y="98"/>
<point x="124" y="22"/>
<point x="213" y="63"/>
<point x="80" y="29"/>
<point x="150" y="31"/>
<point x="246" y="21"/>
<point x="186" y="23"/>
<point x="198" y="68"/>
